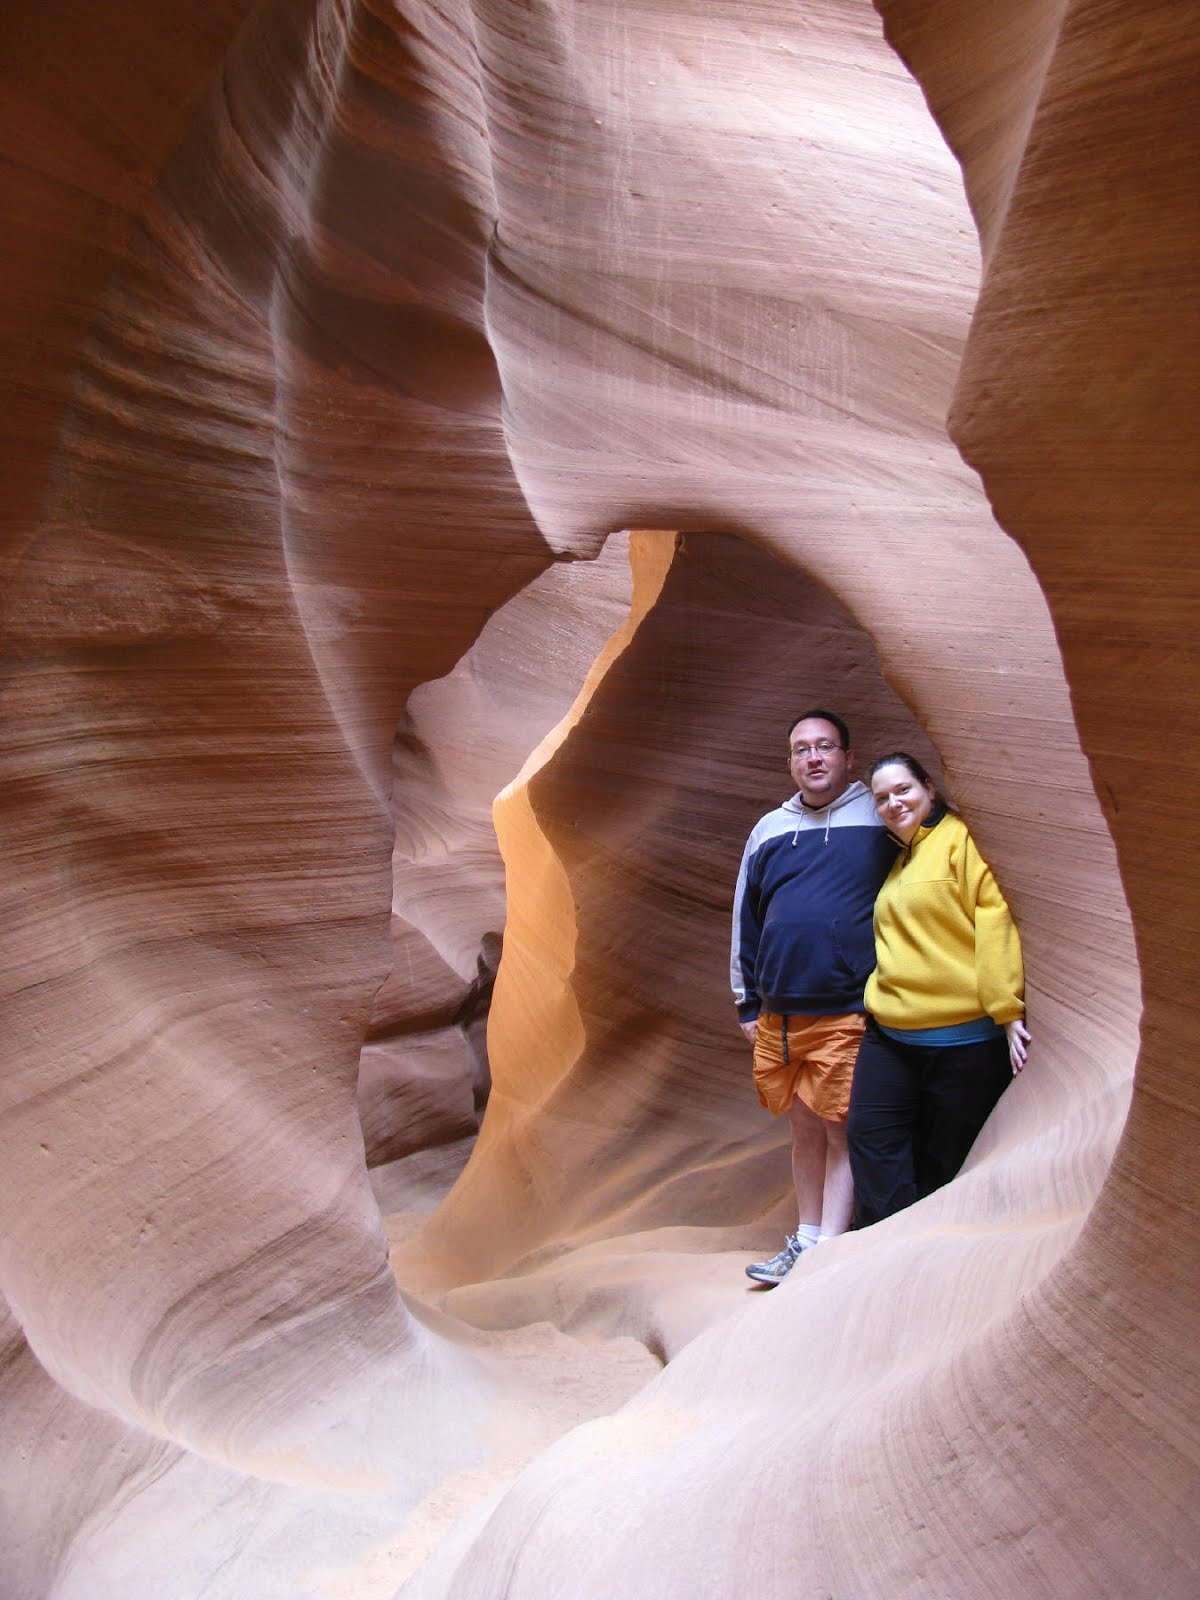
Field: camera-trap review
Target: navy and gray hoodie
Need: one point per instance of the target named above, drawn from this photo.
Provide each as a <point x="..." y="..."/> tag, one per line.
<point x="802" y="939"/>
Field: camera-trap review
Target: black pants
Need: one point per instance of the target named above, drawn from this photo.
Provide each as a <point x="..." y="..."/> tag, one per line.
<point x="915" y="1112"/>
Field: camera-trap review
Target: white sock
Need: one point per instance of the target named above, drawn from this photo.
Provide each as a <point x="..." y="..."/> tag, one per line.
<point x="808" y="1233"/>
<point x="822" y="1237"/>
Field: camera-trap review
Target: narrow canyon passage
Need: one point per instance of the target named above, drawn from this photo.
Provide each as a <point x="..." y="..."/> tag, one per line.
<point x="613" y="1047"/>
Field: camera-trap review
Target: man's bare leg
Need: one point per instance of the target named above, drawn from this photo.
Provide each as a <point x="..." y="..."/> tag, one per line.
<point x="837" y="1201"/>
<point x="821" y="1170"/>
<point x="808" y="1161"/>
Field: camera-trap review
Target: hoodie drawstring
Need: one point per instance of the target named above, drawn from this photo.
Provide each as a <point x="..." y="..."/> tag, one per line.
<point x="853" y="791"/>
<point x="828" y="820"/>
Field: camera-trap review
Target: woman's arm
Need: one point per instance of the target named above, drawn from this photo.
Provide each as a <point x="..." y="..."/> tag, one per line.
<point x="1018" y="1043"/>
<point x="999" y="969"/>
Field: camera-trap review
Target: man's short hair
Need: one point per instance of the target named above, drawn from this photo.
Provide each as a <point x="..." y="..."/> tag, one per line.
<point x="825" y="716"/>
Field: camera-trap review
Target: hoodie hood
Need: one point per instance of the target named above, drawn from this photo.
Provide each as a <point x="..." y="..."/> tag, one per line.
<point x="822" y="816"/>
<point x="851" y="792"/>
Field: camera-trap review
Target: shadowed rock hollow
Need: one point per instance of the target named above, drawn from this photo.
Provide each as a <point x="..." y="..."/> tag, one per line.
<point x="340" y="342"/>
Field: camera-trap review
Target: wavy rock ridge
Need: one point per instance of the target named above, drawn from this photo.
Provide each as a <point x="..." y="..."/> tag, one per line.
<point x="339" y="341"/>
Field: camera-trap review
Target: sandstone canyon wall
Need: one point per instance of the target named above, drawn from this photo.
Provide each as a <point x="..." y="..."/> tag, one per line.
<point x="345" y="344"/>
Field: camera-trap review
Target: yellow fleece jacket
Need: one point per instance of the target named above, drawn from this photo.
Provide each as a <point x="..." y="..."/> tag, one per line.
<point x="946" y="947"/>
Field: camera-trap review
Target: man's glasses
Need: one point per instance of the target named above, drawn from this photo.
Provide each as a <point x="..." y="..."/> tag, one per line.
<point x="822" y="749"/>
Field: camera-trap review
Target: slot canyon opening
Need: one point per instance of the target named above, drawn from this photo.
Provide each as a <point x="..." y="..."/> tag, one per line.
<point x="647" y="694"/>
<point x="424" y="1075"/>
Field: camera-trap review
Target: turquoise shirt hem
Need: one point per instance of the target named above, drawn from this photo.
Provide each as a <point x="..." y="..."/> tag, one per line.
<point x="978" y="1031"/>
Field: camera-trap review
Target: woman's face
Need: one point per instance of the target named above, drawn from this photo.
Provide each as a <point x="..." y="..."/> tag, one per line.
<point x="901" y="799"/>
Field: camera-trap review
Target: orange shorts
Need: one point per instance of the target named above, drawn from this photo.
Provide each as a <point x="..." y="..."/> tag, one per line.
<point x="820" y="1052"/>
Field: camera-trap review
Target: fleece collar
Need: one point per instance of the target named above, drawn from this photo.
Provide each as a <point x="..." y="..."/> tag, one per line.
<point x="923" y="832"/>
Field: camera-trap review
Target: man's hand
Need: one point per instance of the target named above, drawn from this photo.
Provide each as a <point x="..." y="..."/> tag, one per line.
<point x="1018" y="1044"/>
<point x="750" y="1029"/>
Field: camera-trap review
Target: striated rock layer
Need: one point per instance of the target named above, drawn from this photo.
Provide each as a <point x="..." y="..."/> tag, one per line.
<point x="339" y="340"/>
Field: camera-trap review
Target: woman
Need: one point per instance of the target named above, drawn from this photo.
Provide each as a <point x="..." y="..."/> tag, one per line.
<point x="945" y="1031"/>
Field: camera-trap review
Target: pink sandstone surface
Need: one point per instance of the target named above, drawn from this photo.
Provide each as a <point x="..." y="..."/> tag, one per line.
<point x="344" y="345"/>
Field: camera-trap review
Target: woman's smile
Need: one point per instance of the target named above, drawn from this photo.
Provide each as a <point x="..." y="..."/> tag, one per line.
<point x="902" y="800"/>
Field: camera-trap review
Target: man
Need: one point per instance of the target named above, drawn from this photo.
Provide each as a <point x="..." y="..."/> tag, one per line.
<point x="802" y="952"/>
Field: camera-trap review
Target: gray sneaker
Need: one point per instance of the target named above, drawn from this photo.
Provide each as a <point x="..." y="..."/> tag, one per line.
<point x="777" y="1269"/>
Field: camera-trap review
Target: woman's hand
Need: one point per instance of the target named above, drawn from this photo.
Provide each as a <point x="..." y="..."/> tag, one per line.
<point x="750" y="1029"/>
<point x="1018" y="1044"/>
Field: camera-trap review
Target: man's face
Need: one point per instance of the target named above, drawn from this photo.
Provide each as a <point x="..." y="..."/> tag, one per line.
<point x="820" y="768"/>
